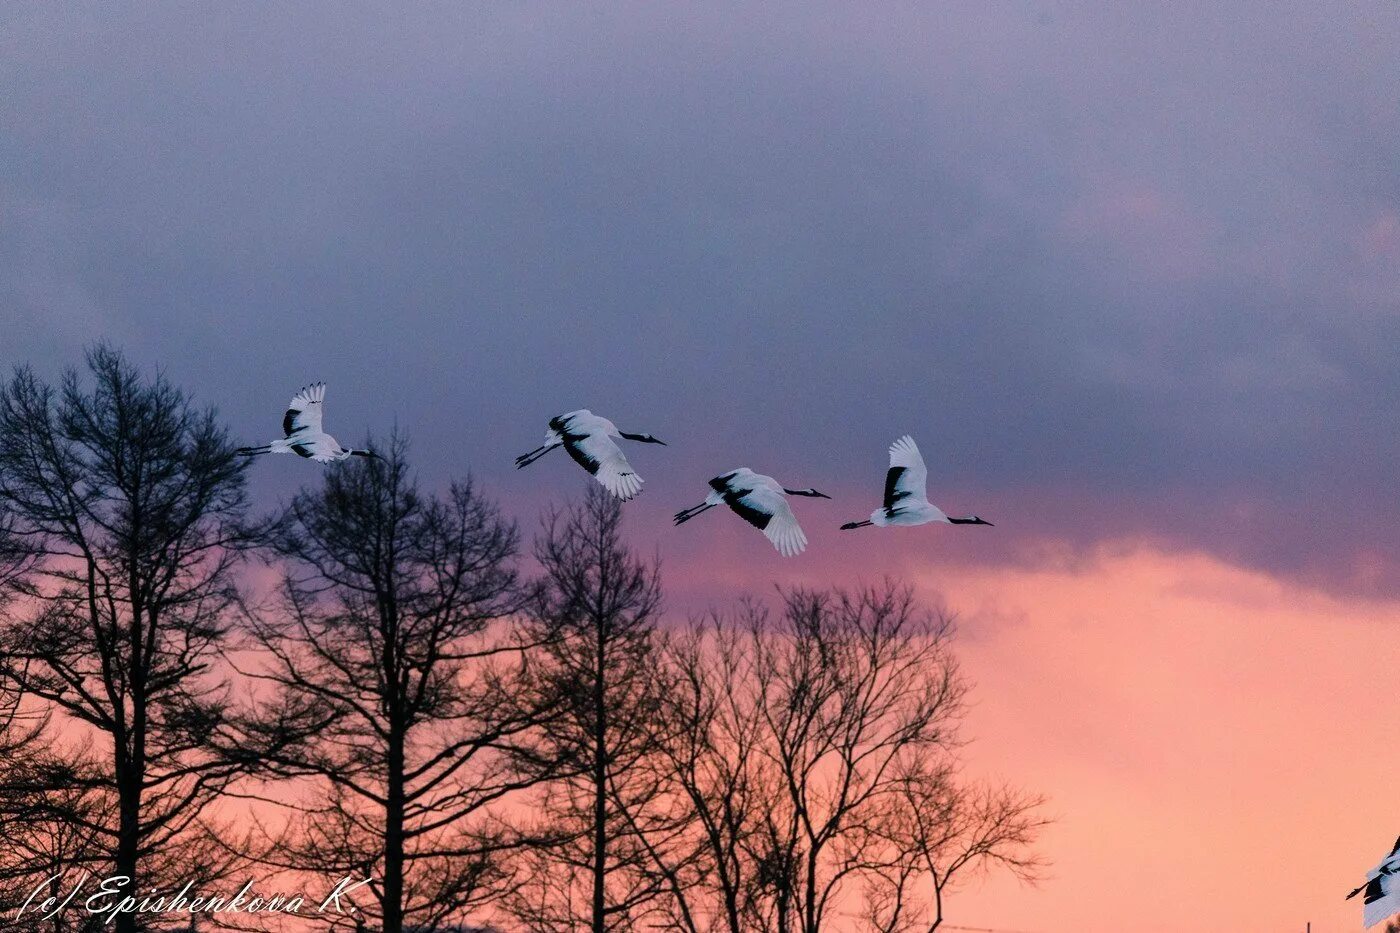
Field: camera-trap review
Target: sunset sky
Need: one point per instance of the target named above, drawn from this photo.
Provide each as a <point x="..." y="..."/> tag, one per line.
<point x="1129" y="272"/>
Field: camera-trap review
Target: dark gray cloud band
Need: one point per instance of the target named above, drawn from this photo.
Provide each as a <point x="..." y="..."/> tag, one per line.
<point x="1122" y="271"/>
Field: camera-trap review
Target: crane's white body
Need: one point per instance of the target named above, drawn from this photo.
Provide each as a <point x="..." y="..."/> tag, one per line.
<point x="589" y="440"/>
<point x="762" y="502"/>
<point x="906" y="492"/>
<point x="1381" y="896"/>
<point x="303" y="435"/>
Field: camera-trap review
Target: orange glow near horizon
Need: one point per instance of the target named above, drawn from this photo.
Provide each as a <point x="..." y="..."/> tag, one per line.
<point x="1216" y="743"/>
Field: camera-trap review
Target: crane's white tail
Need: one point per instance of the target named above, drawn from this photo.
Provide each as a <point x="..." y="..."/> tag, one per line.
<point x="685" y="515"/>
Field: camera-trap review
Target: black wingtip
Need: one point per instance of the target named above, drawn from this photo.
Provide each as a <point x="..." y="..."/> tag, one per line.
<point x="849" y="525"/>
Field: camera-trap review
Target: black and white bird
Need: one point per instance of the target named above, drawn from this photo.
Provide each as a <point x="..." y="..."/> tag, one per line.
<point x="589" y="440"/>
<point x="1382" y="889"/>
<point x="906" y="493"/>
<point x="761" y="501"/>
<point x="301" y="426"/>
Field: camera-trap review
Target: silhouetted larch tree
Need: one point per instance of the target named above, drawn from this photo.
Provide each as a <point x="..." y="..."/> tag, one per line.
<point x="43" y="808"/>
<point x="131" y="502"/>
<point x="393" y="656"/>
<point x="43" y="800"/>
<point x="597" y="610"/>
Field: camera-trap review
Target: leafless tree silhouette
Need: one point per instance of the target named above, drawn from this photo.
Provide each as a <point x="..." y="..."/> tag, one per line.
<point x="131" y="503"/>
<point x="597" y="610"/>
<point x="711" y="755"/>
<point x="46" y="807"/>
<point x="392" y="660"/>
<point x="43" y="805"/>
<point x="816" y="753"/>
<point x="939" y="829"/>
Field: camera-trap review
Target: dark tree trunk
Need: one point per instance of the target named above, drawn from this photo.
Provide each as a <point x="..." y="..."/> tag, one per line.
<point x="394" y="835"/>
<point x="124" y="862"/>
<point x="600" y="788"/>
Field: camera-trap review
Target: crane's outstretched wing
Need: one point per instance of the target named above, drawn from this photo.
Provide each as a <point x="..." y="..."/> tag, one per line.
<point x="1380" y="895"/>
<point x="597" y="454"/>
<point x="1381" y="899"/>
<point x="907" y="477"/>
<point x="304" y="411"/>
<point x="769" y="512"/>
<point x="559" y="424"/>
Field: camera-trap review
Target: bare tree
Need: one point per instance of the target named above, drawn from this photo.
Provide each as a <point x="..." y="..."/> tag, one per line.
<point x="849" y="687"/>
<point x="392" y="660"/>
<point x="716" y="771"/>
<point x="816" y="753"/>
<point x="131" y="502"/>
<point x="43" y="800"/>
<point x="597" y="609"/>
<point x="939" y="829"/>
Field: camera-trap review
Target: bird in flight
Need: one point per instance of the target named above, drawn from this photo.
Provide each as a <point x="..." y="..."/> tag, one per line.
<point x="906" y="492"/>
<point x="1382" y="897"/>
<point x="589" y="440"/>
<point x="301" y="426"/>
<point x="761" y="501"/>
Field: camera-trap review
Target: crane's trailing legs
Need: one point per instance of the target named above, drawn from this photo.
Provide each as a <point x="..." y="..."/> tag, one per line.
<point x="525" y="460"/>
<point x="685" y="515"/>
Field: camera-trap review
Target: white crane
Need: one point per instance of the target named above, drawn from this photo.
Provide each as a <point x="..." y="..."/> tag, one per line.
<point x="304" y="437"/>
<point x="758" y="500"/>
<point x="1382" y="897"/>
<point x="589" y="440"/>
<point x="906" y="492"/>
